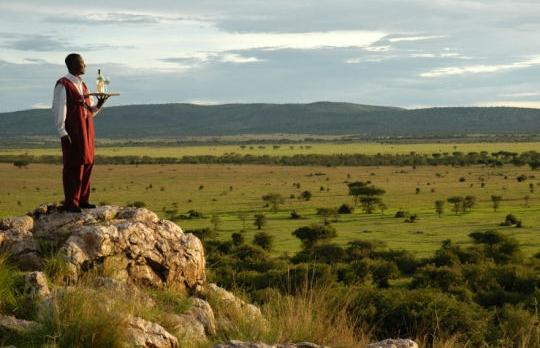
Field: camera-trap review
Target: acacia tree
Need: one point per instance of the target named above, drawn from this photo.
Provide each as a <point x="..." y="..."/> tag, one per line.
<point x="243" y="217"/>
<point x="274" y="199"/>
<point x="366" y="194"/>
<point x="439" y="207"/>
<point x="216" y="221"/>
<point x="260" y="220"/>
<point x="457" y="201"/>
<point x="311" y="235"/>
<point x="496" y="202"/>
<point x="468" y="203"/>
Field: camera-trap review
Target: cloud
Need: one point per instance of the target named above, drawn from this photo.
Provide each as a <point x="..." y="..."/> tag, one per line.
<point x="123" y="18"/>
<point x="236" y="58"/>
<point x="480" y="68"/>
<point x="520" y="94"/>
<point x="198" y="58"/>
<point x="49" y="43"/>
<point x="32" y="42"/>
<point x="415" y="38"/>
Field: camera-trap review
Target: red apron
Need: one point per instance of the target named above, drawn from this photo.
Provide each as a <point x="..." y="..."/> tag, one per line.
<point x="79" y="125"/>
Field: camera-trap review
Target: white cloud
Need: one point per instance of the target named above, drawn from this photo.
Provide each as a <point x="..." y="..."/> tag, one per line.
<point x="520" y="94"/>
<point x="385" y="48"/>
<point x="415" y="38"/>
<point x="236" y="58"/>
<point x="481" y="68"/>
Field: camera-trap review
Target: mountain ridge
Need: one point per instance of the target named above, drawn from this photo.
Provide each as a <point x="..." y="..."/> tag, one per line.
<point x="317" y="118"/>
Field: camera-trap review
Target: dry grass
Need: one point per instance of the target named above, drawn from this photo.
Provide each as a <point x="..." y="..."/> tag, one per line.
<point x="314" y="315"/>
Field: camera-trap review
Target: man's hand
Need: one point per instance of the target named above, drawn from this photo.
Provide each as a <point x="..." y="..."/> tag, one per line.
<point x="66" y="139"/>
<point x="101" y="100"/>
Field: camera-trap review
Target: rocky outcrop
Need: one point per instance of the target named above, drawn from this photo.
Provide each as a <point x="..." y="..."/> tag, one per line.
<point x="17" y="240"/>
<point x="134" y="242"/>
<point x="143" y="333"/>
<point x="240" y="344"/>
<point x="10" y="323"/>
<point x="132" y="247"/>
<point x="394" y="343"/>
<point x="228" y="299"/>
<point x="196" y="324"/>
<point x="36" y="285"/>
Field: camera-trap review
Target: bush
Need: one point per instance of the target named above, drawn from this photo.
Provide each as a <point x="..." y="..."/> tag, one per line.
<point x="264" y="240"/>
<point x="306" y="195"/>
<point x="401" y="214"/>
<point x="511" y="220"/>
<point x="326" y="253"/>
<point x="345" y="209"/>
<point x="136" y="204"/>
<point x="202" y="233"/>
<point x="237" y="238"/>
<point x="417" y="313"/>
<point x="311" y="235"/>
<point x="295" y="215"/>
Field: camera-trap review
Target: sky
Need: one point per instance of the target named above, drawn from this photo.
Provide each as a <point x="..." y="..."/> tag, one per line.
<point x="406" y="53"/>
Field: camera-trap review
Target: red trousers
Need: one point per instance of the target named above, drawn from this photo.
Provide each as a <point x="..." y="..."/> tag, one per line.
<point x="75" y="177"/>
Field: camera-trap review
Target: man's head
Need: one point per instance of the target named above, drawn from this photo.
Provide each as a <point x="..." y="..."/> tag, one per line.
<point x="75" y="64"/>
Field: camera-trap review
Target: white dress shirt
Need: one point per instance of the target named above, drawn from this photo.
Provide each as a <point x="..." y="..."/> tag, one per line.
<point x="59" y="107"/>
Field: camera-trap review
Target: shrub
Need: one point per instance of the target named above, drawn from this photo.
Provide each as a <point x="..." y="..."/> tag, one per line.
<point x="511" y="220"/>
<point x="306" y="195"/>
<point x="345" y="209"/>
<point x="311" y="235"/>
<point x="401" y="214"/>
<point x="264" y="240"/>
<point x="357" y="249"/>
<point x="237" y="238"/>
<point x="295" y="215"/>
<point x="417" y="313"/>
<point x="136" y="204"/>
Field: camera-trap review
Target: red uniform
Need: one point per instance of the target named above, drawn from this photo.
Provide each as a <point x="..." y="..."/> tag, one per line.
<point x="78" y="156"/>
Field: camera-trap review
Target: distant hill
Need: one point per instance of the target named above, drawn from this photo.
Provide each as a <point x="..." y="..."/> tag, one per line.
<point x="321" y="118"/>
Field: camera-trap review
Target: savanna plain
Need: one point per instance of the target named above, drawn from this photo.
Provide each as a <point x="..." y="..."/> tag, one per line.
<point x="228" y="196"/>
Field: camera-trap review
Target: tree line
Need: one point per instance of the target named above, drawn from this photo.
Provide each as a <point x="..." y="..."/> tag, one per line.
<point x="495" y="159"/>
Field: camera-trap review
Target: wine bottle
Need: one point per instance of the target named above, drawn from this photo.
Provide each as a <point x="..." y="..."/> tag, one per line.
<point x="100" y="82"/>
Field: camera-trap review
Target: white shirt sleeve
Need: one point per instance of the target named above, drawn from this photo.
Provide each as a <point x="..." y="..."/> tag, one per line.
<point x="59" y="109"/>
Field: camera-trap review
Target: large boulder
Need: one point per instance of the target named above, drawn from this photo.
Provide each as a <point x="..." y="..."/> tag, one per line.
<point x="196" y="324"/>
<point x="394" y="343"/>
<point x="143" y="333"/>
<point x="133" y="242"/>
<point x="240" y="344"/>
<point x="36" y="285"/>
<point x="16" y="239"/>
<point x="227" y="299"/>
<point x="10" y="323"/>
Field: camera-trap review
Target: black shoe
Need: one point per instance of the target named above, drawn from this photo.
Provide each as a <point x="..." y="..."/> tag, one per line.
<point x="73" y="209"/>
<point x="87" y="205"/>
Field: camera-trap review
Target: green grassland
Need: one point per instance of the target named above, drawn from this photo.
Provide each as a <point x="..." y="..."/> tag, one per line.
<point x="293" y="149"/>
<point x="229" y="190"/>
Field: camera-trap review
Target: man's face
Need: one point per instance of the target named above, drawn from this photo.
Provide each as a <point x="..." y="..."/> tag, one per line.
<point x="78" y="67"/>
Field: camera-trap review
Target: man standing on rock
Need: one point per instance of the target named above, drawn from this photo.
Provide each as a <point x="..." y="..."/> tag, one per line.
<point x="73" y="111"/>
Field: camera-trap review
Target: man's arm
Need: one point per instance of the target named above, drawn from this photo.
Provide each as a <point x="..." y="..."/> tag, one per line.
<point x="59" y="110"/>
